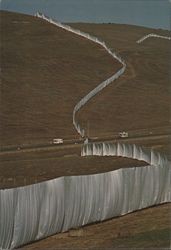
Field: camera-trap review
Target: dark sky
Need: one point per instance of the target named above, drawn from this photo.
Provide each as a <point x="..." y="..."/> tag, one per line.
<point x="149" y="13"/>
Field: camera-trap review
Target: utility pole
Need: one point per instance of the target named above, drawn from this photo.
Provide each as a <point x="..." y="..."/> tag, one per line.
<point x="88" y="129"/>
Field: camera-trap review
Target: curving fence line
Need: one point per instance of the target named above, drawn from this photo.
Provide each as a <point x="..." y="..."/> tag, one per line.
<point x="152" y="35"/>
<point x="102" y="85"/>
<point x="34" y="212"/>
<point x="125" y="150"/>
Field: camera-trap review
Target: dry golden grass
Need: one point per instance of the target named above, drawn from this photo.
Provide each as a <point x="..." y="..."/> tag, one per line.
<point x="45" y="72"/>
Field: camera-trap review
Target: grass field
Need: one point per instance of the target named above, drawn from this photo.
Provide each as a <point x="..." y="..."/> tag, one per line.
<point x="141" y="97"/>
<point x="145" y="229"/>
<point x="45" y="72"/>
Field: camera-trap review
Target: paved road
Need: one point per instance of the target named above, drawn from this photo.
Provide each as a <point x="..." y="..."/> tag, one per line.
<point x="78" y="143"/>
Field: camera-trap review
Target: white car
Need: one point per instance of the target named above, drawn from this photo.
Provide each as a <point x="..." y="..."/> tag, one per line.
<point x="58" y="141"/>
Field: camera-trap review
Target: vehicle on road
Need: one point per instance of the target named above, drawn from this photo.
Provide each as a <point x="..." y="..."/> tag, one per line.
<point x="57" y="141"/>
<point x="123" y="134"/>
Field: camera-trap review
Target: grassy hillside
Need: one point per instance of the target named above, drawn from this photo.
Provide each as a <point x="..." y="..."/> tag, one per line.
<point x="141" y="98"/>
<point x="45" y="72"/>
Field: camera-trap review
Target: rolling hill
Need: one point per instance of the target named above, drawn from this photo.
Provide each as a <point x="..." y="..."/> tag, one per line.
<point x="45" y="72"/>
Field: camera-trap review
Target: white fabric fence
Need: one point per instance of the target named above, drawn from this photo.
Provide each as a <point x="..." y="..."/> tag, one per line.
<point x="34" y="212"/>
<point x="125" y="150"/>
<point x="153" y="35"/>
<point x="102" y="85"/>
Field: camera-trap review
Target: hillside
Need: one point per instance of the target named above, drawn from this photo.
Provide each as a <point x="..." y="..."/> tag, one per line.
<point x="45" y="72"/>
<point x="140" y="98"/>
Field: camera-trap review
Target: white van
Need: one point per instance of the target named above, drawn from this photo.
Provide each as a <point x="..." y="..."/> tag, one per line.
<point x="123" y="134"/>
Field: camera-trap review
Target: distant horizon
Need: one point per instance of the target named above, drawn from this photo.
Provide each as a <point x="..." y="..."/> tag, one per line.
<point x="151" y="14"/>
